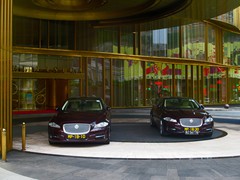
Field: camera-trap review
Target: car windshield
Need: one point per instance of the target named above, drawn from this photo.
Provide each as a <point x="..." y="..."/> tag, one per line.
<point x="178" y="103"/>
<point x="82" y="105"/>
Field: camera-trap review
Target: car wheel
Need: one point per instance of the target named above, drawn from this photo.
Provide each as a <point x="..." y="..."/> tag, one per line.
<point x="152" y="123"/>
<point x="108" y="139"/>
<point x="51" y="143"/>
<point x="107" y="142"/>
<point x="162" y="129"/>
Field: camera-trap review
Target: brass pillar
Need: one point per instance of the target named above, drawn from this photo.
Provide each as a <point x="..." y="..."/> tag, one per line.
<point x="6" y="69"/>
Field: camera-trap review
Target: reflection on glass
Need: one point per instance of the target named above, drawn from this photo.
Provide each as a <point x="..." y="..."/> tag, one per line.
<point x="158" y="80"/>
<point x="95" y="78"/>
<point x="234" y="83"/>
<point x="161" y="42"/>
<point x="193" y="41"/>
<point x="231" y="48"/>
<point x="215" y="87"/>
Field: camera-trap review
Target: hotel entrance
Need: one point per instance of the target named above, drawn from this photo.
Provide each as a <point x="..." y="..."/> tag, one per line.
<point x="43" y="82"/>
<point x="42" y="94"/>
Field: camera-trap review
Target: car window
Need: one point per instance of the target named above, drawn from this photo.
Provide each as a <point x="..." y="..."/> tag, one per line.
<point x="82" y="105"/>
<point x="179" y="103"/>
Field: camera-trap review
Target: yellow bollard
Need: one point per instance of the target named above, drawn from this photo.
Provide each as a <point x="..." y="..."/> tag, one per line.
<point x="23" y="136"/>
<point x="4" y="145"/>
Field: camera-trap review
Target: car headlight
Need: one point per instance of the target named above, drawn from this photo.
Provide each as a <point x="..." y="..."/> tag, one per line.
<point x="209" y="120"/>
<point x="169" y="119"/>
<point x="53" y="125"/>
<point x="101" y="125"/>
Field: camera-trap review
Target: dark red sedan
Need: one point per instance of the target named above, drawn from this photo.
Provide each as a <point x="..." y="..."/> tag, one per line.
<point x="177" y="115"/>
<point x="83" y="119"/>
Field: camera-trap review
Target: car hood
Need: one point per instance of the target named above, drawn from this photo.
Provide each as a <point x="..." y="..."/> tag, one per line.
<point x="185" y="113"/>
<point x="79" y="117"/>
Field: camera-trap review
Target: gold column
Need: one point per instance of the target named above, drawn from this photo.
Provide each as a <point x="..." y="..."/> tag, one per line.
<point x="6" y="69"/>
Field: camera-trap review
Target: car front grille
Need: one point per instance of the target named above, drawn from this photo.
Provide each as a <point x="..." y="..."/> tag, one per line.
<point x="191" y="122"/>
<point x="76" y="128"/>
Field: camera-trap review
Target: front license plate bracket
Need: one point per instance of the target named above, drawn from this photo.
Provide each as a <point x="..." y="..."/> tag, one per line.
<point x="191" y="130"/>
<point x="76" y="136"/>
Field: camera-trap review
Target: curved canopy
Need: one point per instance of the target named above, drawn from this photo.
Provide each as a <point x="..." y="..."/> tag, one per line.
<point x="112" y="12"/>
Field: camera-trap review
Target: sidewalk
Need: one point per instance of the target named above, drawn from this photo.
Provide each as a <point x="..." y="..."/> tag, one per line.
<point x="207" y="149"/>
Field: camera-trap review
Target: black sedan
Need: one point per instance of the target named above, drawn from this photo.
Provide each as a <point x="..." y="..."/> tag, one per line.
<point x="83" y="119"/>
<point x="177" y="115"/>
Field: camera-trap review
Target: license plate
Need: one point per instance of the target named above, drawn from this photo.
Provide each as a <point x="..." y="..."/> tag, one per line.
<point x="76" y="136"/>
<point x="191" y="131"/>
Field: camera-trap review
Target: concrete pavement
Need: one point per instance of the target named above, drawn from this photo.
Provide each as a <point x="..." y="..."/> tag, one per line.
<point x="223" y="146"/>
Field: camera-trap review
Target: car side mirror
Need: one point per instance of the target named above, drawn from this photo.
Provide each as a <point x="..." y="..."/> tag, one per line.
<point x="160" y="106"/>
<point x="58" y="109"/>
<point x="201" y="106"/>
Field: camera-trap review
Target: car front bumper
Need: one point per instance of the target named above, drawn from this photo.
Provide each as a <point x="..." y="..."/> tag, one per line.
<point x="205" y="129"/>
<point x="58" y="136"/>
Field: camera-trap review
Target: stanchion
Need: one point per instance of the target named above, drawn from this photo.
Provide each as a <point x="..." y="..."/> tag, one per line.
<point x="4" y="145"/>
<point x="23" y="136"/>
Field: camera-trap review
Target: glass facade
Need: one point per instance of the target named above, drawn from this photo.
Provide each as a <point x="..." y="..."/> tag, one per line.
<point x="194" y="41"/>
<point x="128" y="66"/>
<point x="160" y="42"/>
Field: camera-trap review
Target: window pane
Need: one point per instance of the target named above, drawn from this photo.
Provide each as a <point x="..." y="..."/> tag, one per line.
<point x="211" y="44"/>
<point x="119" y="86"/>
<point x="159" y="80"/>
<point x="231" y="48"/>
<point x="106" y="40"/>
<point x="193" y="41"/>
<point x="214" y="85"/>
<point x="107" y="82"/>
<point x="95" y="78"/>
<point x="25" y="32"/>
<point x="126" y="36"/>
<point x="180" y="81"/>
<point x="29" y="94"/>
<point x="234" y="84"/>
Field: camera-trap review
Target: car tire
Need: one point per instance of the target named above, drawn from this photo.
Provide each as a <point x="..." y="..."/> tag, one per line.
<point x="162" y="129"/>
<point x="108" y="139"/>
<point x="51" y="143"/>
<point x="152" y="123"/>
<point x="107" y="142"/>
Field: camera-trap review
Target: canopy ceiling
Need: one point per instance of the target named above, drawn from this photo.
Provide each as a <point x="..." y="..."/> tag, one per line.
<point x="115" y="12"/>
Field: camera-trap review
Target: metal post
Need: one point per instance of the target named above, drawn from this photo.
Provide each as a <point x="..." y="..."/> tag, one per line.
<point x="23" y="136"/>
<point x="4" y="145"/>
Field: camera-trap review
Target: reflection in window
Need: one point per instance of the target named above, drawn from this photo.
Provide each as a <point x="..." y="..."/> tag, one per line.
<point x="45" y="63"/>
<point x="95" y="78"/>
<point x="193" y="41"/>
<point x="28" y="94"/>
<point x="119" y="86"/>
<point x="106" y="40"/>
<point x="231" y="48"/>
<point x="107" y="82"/>
<point x="161" y="42"/>
<point x="234" y="83"/>
<point x="74" y="90"/>
<point x="128" y="83"/>
<point x="180" y="81"/>
<point x="158" y="80"/>
<point x="126" y="46"/>
<point x="215" y="87"/>
<point x="211" y="44"/>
